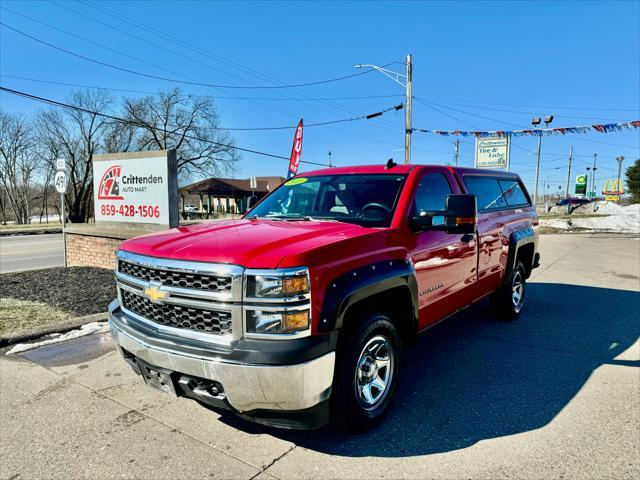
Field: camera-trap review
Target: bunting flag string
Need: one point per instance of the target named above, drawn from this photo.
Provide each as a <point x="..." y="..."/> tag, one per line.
<point x="601" y="128"/>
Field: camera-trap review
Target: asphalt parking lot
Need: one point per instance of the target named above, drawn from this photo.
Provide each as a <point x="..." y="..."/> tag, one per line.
<point x="555" y="394"/>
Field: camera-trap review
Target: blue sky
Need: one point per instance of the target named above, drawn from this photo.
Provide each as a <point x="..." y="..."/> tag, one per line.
<point x="484" y="65"/>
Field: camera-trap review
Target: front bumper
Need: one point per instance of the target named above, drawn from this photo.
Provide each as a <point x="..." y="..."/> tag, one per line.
<point x="247" y="388"/>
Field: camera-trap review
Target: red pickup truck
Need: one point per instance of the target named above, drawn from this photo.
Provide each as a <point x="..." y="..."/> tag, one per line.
<point x="297" y="313"/>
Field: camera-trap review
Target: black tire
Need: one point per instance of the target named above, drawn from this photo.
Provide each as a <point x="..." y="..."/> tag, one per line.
<point x="504" y="301"/>
<point x="349" y="409"/>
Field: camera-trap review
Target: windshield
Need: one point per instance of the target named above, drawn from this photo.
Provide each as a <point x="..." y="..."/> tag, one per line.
<point x="367" y="200"/>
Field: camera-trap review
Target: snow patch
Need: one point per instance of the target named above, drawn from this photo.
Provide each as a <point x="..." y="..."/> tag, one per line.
<point x="86" y="329"/>
<point x="610" y="223"/>
<point x="607" y="208"/>
<point x="607" y="217"/>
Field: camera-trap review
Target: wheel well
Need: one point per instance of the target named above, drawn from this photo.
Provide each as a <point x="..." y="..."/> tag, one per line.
<point x="395" y="302"/>
<point x="525" y="255"/>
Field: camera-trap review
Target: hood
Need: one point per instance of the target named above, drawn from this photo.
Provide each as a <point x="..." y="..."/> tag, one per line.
<point x="250" y="243"/>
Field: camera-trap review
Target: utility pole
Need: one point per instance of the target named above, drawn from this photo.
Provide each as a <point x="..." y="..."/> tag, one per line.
<point x="396" y="77"/>
<point x="593" y="178"/>
<point x="593" y="181"/>
<point x="569" y="171"/>
<point x="457" y="145"/>
<point x="620" y="159"/>
<point x="618" y="186"/>
<point x="407" y="113"/>
<point x="329" y="160"/>
<point x="535" y="188"/>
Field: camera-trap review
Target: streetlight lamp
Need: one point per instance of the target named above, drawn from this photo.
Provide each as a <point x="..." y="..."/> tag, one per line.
<point x="535" y="121"/>
<point x="396" y="77"/>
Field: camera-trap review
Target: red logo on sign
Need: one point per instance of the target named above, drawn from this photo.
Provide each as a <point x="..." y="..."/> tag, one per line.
<point x="109" y="186"/>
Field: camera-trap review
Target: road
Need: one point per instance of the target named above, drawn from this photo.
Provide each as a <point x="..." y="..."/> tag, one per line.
<point x="555" y="394"/>
<point x="28" y="252"/>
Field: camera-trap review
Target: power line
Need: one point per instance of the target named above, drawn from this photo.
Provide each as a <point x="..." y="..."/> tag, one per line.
<point x="287" y="127"/>
<point x="318" y="124"/>
<point x="192" y="47"/>
<point x="195" y="48"/>
<point x="539" y="106"/>
<point x="428" y="104"/>
<point x="482" y="107"/>
<point x="474" y="114"/>
<point x="215" y="97"/>
<point x="162" y="68"/>
<point x="521" y="126"/>
<point x="175" y="80"/>
<point x="123" y="120"/>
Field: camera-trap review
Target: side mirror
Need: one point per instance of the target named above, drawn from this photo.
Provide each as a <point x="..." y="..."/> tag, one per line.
<point x="251" y="201"/>
<point x="461" y="214"/>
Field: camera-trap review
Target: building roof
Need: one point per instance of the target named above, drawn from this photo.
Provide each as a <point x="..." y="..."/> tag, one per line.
<point x="231" y="186"/>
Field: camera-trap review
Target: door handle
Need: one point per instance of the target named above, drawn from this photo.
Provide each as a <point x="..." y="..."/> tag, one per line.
<point x="467" y="237"/>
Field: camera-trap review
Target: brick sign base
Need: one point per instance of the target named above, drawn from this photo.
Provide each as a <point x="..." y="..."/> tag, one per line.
<point x="90" y="251"/>
<point x="91" y="246"/>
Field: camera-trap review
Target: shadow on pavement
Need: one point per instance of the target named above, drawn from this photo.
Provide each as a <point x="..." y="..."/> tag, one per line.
<point x="474" y="378"/>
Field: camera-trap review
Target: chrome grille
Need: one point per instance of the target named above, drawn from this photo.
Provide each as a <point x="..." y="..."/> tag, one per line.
<point x="179" y="316"/>
<point x="176" y="278"/>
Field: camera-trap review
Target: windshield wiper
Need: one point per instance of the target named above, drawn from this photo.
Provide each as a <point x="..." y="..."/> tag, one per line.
<point x="295" y="218"/>
<point x="257" y="217"/>
<point x="309" y="218"/>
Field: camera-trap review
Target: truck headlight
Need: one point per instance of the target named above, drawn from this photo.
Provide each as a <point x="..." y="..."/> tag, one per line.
<point x="274" y="322"/>
<point x="278" y="285"/>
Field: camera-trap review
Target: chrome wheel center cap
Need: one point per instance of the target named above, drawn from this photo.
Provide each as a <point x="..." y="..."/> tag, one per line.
<point x="368" y="371"/>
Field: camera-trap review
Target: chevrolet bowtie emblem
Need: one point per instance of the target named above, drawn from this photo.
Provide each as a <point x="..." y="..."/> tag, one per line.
<point x="153" y="293"/>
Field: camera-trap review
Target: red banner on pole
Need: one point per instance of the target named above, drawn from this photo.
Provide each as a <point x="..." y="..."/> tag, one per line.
<point x="296" y="151"/>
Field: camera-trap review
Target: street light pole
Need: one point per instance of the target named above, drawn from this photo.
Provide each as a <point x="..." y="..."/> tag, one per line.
<point x="395" y="76"/>
<point x="407" y="113"/>
<point x="535" y="122"/>
<point x="535" y="188"/>
<point x="569" y="171"/>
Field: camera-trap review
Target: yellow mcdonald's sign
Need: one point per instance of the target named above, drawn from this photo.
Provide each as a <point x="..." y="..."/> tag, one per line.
<point x="613" y="187"/>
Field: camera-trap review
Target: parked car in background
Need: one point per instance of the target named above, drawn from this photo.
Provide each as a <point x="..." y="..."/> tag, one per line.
<point x="298" y="312"/>
<point x="573" y="202"/>
<point x="190" y="208"/>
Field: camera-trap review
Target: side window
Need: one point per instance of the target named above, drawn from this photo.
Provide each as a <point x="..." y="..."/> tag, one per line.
<point x="431" y="195"/>
<point x="487" y="191"/>
<point x="513" y="193"/>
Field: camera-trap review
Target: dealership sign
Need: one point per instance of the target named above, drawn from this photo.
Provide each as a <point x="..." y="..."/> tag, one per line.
<point x="492" y="152"/>
<point x="136" y="187"/>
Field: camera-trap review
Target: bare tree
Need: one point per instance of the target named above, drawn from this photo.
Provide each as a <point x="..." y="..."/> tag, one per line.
<point x="189" y="124"/>
<point x="119" y="137"/>
<point x="77" y="136"/>
<point x="18" y="165"/>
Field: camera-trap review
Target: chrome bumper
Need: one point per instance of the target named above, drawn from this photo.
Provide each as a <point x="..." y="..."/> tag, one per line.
<point x="247" y="387"/>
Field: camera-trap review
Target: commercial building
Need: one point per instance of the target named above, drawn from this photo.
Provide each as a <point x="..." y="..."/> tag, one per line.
<point x="221" y="196"/>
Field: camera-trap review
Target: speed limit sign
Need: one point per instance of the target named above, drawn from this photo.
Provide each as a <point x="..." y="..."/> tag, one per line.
<point x="60" y="181"/>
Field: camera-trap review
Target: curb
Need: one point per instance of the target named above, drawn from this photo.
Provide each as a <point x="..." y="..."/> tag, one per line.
<point x="27" y="335"/>
<point x="30" y="231"/>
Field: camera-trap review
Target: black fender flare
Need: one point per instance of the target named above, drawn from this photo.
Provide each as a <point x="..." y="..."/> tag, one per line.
<point x="517" y="240"/>
<point x="365" y="282"/>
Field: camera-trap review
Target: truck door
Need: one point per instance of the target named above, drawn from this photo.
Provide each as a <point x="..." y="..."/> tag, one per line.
<point x="445" y="263"/>
<point x="491" y="220"/>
